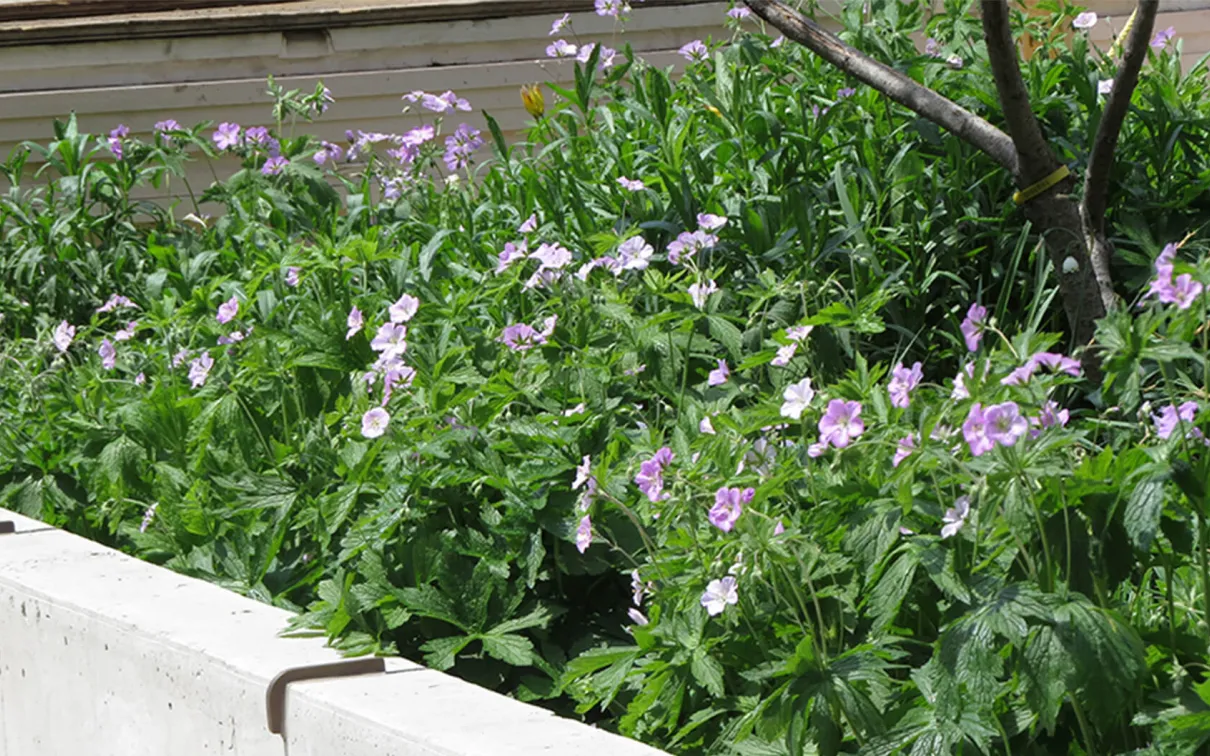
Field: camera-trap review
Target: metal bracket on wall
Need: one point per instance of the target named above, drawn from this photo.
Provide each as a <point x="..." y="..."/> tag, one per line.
<point x="7" y="526"/>
<point x="275" y="696"/>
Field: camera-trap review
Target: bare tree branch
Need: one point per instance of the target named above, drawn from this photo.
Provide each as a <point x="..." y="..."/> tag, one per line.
<point x="895" y="85"/>
<point x="1036" y="160"/>
<point x="1100" y="162"/>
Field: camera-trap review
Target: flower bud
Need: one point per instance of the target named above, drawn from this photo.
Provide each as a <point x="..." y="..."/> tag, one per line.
<point x="531" y="97"/>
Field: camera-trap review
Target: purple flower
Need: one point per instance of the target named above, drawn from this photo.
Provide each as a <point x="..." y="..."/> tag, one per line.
<point x="1162" y="38"/>
<point x="1085" y="20"/>
<point x="633" y="254"/>
<point x="1004" y="423"/>
<point x="708" y="222"/>
<point x="560" y="24"/>
<point x="227" y="311"/>
<point x="779" y="528"/>
<point x="166" y="125"/>
<point x="639" y="587"/>
<point x="785" y="354"/>
<point x="615" y="8"/>
<point x="700" y="293"/>
<point x="739" y="13"/>
<point x="374" y="422"/>
<point x="63" y="335"/>
<point x="636" y="616"/>
<point x="459" y="146"/>
<point x="932" y="48"/>
<point x="109" y="355"/>
<point x="904" y="449"/>
<point x="694" y="51"/>
<point x="328" y="151"/>
<point x="443" y="102"/>
<point x="960" y="391"/>
<point x="127" y="333"/>
<point x="404" y="309"/>
<point x="521" y="337"/>
<point x="584" y="534"/>
<point x="974" y="430"/>
<point x="274" y="166"/>
<point x="552" y="256"/>
<point x="1057" y="362"/>
<point x="560" y="48"/>
<point x="688" y="244"/>
<point x="799" y="333"/>
<point x="1172" y="416"/>
<point x="256" y="135"/>
<point x="292" y="275"/>
<point x="355" y="321"/>
<point x="114" y="302"/>
<point x="391" y="339"/>
<point x="706" y="427"/>
<point x="650" y="478"/>
<point x="797" y="398"/>
<point x="719" y="594"/>
<point x="728" y="506"/>
<point x="1049" y="416"/>
<point x="903" y="381"/>
<point x="1020" y="376"/>
<point x="115" y="140"/>
<point x="631" y="185"/>
<point x="394" y="373"/>
<point x="199" y="369"/>
<point x="180" y="357"/>
<point x="140" y="379"/>
<point x="583" y="472"/>
<point x="845" y="92"/>
<point x="512" y="253"/>
<point x="972" y="327"/>
<point x="226" y="136"/>
<point x="719" y="375"/>
<point x="1184" y="291"/>
<point x="529" y="226"/>
<point x="148" y="516"/>
<point x="841" y="423"/>
<point x="955" y="517"/>
<point x="234" y="338"/>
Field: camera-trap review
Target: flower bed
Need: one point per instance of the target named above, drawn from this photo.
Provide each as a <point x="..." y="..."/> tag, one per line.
<point x="730" y="412"/>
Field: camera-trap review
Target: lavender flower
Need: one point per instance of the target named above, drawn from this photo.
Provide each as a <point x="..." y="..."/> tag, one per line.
<point x="719" y="594"/>
<point x="584" y="534"/>
<point x="700" y="293"/>
<point x="560" y="24"/>
<point x="903" y="381"/>
<point x="355" y="322"/>
<point x="841" y="423"/>
<point x="227" y="311"/>
<point x="404" y="309"/>
<point x="904" y="449"/>
<point x="374" y="422"/>
<point x="708" y="222"/>
<point x="199" y="369"/>
<point x="631" y="185"/>
<point x="955" y="517"/>
<point x="974" y="430"/>
<point x="1085" y="20"/>
<point x="785" y="354"/>
<point x="1004" y="423"/>
<point x="694" y="51"/>
<point x="728" y="506"/>
<point x="292" y="273"/>
<point x="560" y="48"/>
<point x="1172" y="416"/>
<point x="1162" y="38"/>
<point x="650" y="478"/>
<point x="109" y="355"/>
<point x="719" y="375"/>
<point x="227" y="135"/>
<point x="972" y="327"/>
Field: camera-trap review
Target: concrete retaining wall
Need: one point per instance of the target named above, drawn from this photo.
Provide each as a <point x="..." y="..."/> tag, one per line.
<point x="104" y="655"/>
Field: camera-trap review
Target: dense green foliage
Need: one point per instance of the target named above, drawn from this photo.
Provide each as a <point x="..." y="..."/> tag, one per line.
<point x="913" y="583"/>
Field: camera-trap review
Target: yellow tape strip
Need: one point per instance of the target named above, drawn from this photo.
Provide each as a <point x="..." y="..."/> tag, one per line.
<point x="1029" y="192"/>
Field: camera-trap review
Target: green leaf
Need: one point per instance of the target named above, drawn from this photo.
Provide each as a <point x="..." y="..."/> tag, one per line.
<point x="1141" y="517"/>
<point x="429" y="251"/>
<point x="440" y="653"/>
<point x="727" y="334"/>
<point x="708" y="672"/>
<point x="511" y="649"/>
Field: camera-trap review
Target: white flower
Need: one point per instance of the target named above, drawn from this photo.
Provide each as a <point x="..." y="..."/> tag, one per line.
<point x="700" y="293"/>
<point x="64" y="333"/>
<point x="374" y="422"/>
<point x="199" y="369"/>
<point x="785" y="354"/>
<point x="1085" y="20"/>
<point x="1070" y="265"/>
<point x="705" y="426"/>
<point x="719" y="594"/>
<point x="405" y="309"/>
<point x="797" y="397"/>
<point x="575" y="410"/>
<point x="583" y="472"/>
<point x="799" y="333"/>
<point x="955" y="517"/>
<point x="1105" y="87"/>
<point x="708" y="222"/>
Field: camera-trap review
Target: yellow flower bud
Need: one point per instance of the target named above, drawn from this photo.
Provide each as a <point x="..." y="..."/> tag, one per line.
<point x="531" y="97"/>
<point x="714" y="110"/>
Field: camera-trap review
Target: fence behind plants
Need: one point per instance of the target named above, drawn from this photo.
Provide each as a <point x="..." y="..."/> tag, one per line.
<point x="105" y="655"/>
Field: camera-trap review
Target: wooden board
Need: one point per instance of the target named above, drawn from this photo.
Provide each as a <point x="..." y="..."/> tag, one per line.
<point x="31" y="10"/>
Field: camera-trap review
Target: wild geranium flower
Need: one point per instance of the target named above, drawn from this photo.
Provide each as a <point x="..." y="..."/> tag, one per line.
<point x="1105" y="86"/>
<point x="166" y="125"/>
<point x="553" y="256"/>
<point x="511" y="253"/>
<point x="650" y="478"/>
<point x="1085" y="20"/>
<point x="109" y="355"/>
<point x="960" y="391"/>
<point x="631" y="185"/>
<point x="955" y="517"/>
<point x="785" y="354"/>
<point x="404" y="309"/>
<point x="115" y="302"/>
<point x="719" y="594"/>
<point x="584" y="534"/>
<point x="1020" y="376"/>
<point x="127" y="333"/>
<point x="841" y="423"/>
<point x="700" y="293"/>
<point x="694" y="51"/>
<point x="140" y="379"/>
<point x="199" y="369"/>
<point x="708" y="222"/>
<point x="761" y="457"/>
<point x="459" y="147"/>
<point x="1185" y="291"/>
<point x="148" y="517"/>
<point x="1172" y="416"/>
<point x="615" y="8"/>
<point x="583" y="472"/>
<point x="529" y="226"/>
<point x="63" y="335"/>
<point x="799" y="333"/>
<point x="576" y="410"/>
<point x="328" y="151"/>
<point x="797" y="398"/>
<point x="903" y="381"/>
<point x="391" y="339"/>
<point x="180" y="357"/>
<point x="974" y="430"/>
<point x="739" y="13"/>
<point x="972" y="327"/>
<point x="227" y="311"/>
<point x="226" y="136"/>
<point x="233" y="338"/>
<point x="779" y="528"/>
<point x="292" y="273"/>
<point x="904" y="449"/>
<point x="728" y="506"/>
<point x="1004" y="423"/>
<point x="1162" y="38"/>
<point x="561" y="48"/>
<point x="688" y="244"/>
<point x="115" y="140"/>
<point x="636" y="616"/>
<point x="521" y="337"/>
<point x="1050" y="415"/>
<point x="634" y="254"/>
<point x="706" y="427"/>
<point x="639" y="587"/>
<point x="560" y="24"/>
<point x="719" y="375"/>
<point x="355" y="321"/>
<point x="374" y="422"/>
<point x="1057" y="362"/>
